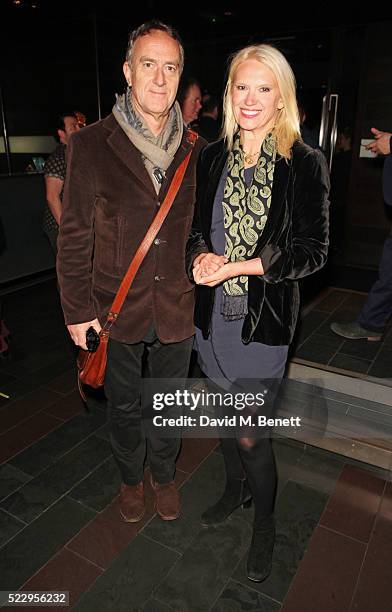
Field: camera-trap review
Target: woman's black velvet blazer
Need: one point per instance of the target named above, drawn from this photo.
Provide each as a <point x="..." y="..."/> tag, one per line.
<point x="293" y="245"/>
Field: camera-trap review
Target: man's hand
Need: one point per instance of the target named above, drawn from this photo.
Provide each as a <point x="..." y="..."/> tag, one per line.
<point x="78" y="332"/>
<point x="382" y="143"/>
<point x="206" y="264"/>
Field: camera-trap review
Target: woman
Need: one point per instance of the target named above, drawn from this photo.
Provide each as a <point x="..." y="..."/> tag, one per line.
<point x="261" y="223"/>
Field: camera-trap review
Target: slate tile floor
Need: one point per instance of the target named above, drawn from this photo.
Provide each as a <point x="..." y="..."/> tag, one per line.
<point x="317" y="344"/>
<point x="59" y="525"/>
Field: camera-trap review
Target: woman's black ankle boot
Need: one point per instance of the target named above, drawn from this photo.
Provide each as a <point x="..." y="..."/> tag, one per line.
<point x="236" y="494"/>
<point x="260" y="553"/>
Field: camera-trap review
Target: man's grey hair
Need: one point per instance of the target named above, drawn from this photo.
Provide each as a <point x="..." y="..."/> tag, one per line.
<point x="148" y="27"/>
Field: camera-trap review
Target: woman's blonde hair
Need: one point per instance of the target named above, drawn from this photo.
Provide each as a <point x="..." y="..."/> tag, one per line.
<point x="287" y="128"/>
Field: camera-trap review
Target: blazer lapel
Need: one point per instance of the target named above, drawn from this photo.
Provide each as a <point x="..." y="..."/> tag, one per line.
<point x="278" y="196"/>
<point x="123" y="148"/>
<point x="179" y="156"/>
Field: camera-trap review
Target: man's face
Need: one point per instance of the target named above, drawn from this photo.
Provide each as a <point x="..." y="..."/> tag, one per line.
<point x="71" y="125"/>
<point x="154" y="75"/>
<point x="192" y="104"/>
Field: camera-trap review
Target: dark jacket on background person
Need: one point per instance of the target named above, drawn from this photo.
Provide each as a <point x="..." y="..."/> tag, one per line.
<point x="208" y="128"/>
<point x="294" y="242"/>
<point x="108" y="206"/>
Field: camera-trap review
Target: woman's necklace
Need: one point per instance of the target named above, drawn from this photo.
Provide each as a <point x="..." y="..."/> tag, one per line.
<point x="250" y="157"/>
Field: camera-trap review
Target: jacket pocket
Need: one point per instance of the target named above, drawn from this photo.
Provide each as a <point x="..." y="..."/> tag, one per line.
<point x="119" y="262"/>
<point x="110" y="240"/>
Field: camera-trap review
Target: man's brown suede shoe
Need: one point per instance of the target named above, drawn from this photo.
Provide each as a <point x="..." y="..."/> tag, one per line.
<point x="132" y="503"/>
<point x="167" y="500"/>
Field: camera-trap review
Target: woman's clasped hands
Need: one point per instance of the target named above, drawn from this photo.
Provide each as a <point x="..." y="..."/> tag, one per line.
<point x="211" y="269"/>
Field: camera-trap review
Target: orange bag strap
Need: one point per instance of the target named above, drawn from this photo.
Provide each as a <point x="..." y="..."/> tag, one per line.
<point x="150" y="236"/>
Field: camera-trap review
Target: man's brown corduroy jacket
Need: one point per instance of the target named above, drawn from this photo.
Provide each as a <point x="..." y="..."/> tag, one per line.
<point x="109" y="203"/>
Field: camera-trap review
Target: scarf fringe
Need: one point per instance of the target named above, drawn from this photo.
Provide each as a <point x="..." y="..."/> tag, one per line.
<point x="234" y="307"/>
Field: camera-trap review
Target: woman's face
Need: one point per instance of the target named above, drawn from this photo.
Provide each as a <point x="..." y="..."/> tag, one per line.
<point x="255" y="97"/>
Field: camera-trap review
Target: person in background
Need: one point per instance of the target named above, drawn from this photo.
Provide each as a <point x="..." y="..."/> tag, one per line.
<point x="207" y="125"/>
<point x="309" y="135"/>
<point x="373" y="318"/>
<point x="260" y="224"/>
<point x="189" y="99"/>
<point x="54" y="172"/>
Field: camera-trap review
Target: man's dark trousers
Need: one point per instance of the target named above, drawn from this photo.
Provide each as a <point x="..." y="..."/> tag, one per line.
<point x="378" y="307"/>
<point x="123" y="386"/>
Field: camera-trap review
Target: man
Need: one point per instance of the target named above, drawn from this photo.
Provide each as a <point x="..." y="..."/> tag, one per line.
<point x="189" y="99"/>
<point x="309" y="135"/>
<point x="208" y="125"/>
<point x="374" y="315"/>
<point x="54" y="172"/>
<point x="119" y="173"/>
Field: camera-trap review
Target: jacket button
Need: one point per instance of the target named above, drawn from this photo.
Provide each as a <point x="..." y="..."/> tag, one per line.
<point x="157" y="278"/>
<point x="157" y="241"/>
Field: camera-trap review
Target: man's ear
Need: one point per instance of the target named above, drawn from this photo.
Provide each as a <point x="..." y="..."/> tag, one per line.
<point x="127" y="73"/>
<point x="62" y="136"/>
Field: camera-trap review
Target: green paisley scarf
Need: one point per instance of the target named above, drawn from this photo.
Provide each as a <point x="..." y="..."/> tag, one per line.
<point x="245" y="212"/>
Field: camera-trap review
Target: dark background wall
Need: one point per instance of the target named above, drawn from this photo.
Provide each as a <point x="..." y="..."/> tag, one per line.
<point x="48" y="63"/>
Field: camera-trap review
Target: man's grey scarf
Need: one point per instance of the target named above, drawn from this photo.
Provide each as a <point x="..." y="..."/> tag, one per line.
<point x="157" y="151"/>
